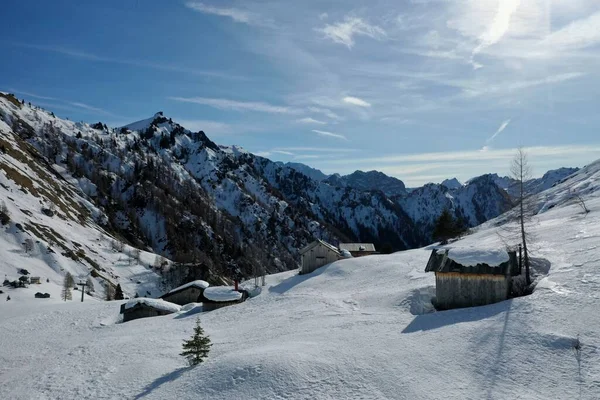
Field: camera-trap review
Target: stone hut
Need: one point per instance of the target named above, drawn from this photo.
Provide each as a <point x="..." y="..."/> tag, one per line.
<point x="467" y="277"/>
<point x="317" y="254"/>
<point x="191" y="292"/>
<point x="143" y="307"/>
<point x="216" y="297"/>
<point x="358" y="249"/>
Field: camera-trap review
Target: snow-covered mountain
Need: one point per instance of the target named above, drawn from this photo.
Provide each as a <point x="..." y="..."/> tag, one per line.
<point x="357" y="328"/>
<point x="158" y="186"/>
<point x="451" y="183"/>
<point x="220" y="210"/>
<point x="370" y="180"/>
<point x="535" y="185"/>
<point x="474" y="203"/>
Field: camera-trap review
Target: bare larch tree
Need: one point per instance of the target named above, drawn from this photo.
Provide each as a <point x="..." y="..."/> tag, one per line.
<point x="521" y="172"/>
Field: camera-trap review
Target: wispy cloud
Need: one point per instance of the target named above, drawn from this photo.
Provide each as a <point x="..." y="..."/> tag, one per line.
<point x="579" y="34"/>
<point x="68" y="105"/>
<point x="499" y="130"/>
<point x="330" y="134"/>
<point x="515" y="85"/>
<point x="355" y="101"/>
<point x="326" y="112"/>
<point x="499" y="26"/>
<point x="309" y="120"/>
<point x="33" y="95"/>
<point x="318" y="149"/>
<point x="131" y="62"/>
<point x="477" y="155"/>
<point x="87" y="107"/>
<point x="344" y="32"/>
<point x="227" y="104"/>
<point x="235" y="14"/>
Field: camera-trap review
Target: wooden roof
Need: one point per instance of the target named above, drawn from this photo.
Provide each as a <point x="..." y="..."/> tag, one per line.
<point x="320" y="242"/>
<point x="357" y="246"/>
<point x="440" y="262"/>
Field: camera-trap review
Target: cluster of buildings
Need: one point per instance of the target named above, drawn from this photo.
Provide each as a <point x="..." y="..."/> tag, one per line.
<point x="464" y="278"/>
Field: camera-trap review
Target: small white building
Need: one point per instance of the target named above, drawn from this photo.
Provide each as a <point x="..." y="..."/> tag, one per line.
<point x="317" y="254"/>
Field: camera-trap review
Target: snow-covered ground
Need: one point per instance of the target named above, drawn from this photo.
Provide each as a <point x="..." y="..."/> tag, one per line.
<point x="353" y="329"/>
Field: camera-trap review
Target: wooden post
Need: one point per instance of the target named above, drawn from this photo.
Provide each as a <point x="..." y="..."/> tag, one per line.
<point x="83" y="285"/>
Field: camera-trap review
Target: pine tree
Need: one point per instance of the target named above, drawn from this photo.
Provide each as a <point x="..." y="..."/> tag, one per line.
<point x="196" y="349"/>
<point x="445" y="227"/>
<point x="119" y="293"/>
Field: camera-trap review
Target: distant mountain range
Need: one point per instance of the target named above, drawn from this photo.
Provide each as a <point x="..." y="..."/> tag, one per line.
<point x="174" y="192"/>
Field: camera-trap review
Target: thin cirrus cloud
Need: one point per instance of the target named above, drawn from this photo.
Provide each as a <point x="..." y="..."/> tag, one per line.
<point x="579" y="34"/>
<point x="345" y="32"/>
<point x="498" y="131"/>
<point x="355" y="101"/>
<point x="478" y="155"/>
<point x="499" y="26"/>
<point x="226" y="104"/>
<point x="309" y="120"/>
<point x="81" y="55"/>
<point x="329" y="134"/>
<point x="326" y="112"/>
<point x="237" y="15"/>
<point x="66" y="104"/>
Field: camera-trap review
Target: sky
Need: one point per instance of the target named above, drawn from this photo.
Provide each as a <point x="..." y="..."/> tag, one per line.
<point x="422" y="90"/>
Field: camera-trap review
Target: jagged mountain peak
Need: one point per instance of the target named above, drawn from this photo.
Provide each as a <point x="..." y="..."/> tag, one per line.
<point x="452" y="183"/>
<point x="311" y="172"/>
<point x="370" y="180"/>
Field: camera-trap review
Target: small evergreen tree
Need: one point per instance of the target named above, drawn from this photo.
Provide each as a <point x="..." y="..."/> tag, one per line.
<point x="69" y="280"/>
<point x="446" y="227"/>
<point x="196" y="349"/>
<point x="119" y="293"/>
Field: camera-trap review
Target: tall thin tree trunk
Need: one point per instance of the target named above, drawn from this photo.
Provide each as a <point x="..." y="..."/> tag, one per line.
<point x="523" y="236"/>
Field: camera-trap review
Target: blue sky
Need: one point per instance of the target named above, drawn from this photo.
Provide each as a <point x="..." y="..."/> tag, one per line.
<point x="422" y="90"/>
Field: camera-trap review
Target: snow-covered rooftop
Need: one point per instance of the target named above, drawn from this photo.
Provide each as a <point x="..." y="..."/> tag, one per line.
<point x="154" y="303"/>
<point x="472" y="256"/>
<point x="199" y="284"/>
<point x="222" y="293"/>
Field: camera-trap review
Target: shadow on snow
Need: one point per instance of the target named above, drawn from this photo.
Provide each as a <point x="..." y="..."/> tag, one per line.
<point x="171" y="376"/>
<point x="293" y="281"/>
<point x="427" y="322"/>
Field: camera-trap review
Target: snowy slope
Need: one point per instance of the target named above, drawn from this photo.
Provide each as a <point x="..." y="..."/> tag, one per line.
<point x="51" y="209"/>
<point x="357" y="328"/>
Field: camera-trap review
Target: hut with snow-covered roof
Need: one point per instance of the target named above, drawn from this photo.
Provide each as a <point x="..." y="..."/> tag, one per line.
<point x="216" y="297"/>
<point x="317" y="254"/>
<point x="468" y="277"/>
<point x="191" y="292"/>
<point x="358" y="249"/>
<point x="143" y="307"/>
